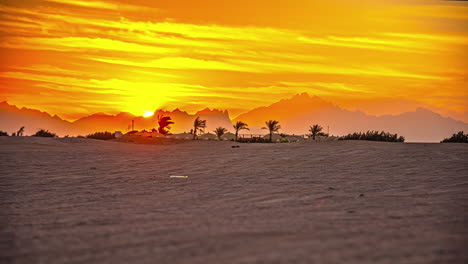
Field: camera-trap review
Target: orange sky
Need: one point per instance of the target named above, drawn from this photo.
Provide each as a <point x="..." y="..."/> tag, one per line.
<point x="76" y="57"/>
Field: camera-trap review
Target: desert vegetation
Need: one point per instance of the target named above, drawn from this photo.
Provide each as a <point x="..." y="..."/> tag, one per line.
<point x="373" y="136"/>
<point x="102" y="135"/>
<point x="219" y="132"/>
<point x="272" y="126"/>
<point x="253" y="140"/>
<point x="316" y="130"/>
<point x="240" y="126"/>
<point x="19" y="133"/>
<point x="199" y="125"/>
<point x="44" y="133"/>
<point x="459" y="137"/>
<point x="164" y="124"/>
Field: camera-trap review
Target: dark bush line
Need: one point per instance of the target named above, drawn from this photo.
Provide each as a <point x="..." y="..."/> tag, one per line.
<point x="44" y="133"/>
<point x="101" y="135"/>
<point x="3" y="134"/>
<point x="253" y="140"/>
<point x="373" y="136"/>
<point x="459" y="137"/>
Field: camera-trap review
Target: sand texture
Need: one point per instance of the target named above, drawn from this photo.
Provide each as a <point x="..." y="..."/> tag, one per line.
<point x="89" y="201"/>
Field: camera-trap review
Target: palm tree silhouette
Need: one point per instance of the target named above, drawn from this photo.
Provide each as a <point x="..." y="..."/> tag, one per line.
<point x="164" y="123"/>
<point x="239" y="126"/>
<point x="20" y="132"/>
<point x="315" y="130"/>
<point x="272" y="126"/>
<point x="198" y="124"/>
<point x="220" y="132"/>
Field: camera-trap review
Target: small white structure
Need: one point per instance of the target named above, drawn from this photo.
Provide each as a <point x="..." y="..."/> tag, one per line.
<point x="228" y="136"/>
<point x="208" y="136"/>
<point x="182" y="136"/>
<point x="118" y="134"/>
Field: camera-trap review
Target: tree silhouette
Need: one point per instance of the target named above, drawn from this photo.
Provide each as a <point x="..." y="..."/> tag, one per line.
<point x="44" y="133"/>
<point x="240" y="126"/>
<point x="220" y="132"/>
<point x="102" y="135"/>
<point x="164" y="123"/>
<point x="315" y="130"/>
<point x="272" y="126"/>
<point x="459" y="137"/>
<point x="20" y="132"/>
<point x="374" y="136"/>
<point x="198" y="125"/>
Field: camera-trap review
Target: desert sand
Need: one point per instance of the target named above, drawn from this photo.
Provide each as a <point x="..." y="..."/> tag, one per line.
<point x="88" y="201"/>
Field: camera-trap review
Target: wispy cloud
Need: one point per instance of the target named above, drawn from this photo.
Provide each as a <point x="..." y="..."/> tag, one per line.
<point x="93" y="4"/>
<point x="118" y="52"/>
<point x="102" y="5"/>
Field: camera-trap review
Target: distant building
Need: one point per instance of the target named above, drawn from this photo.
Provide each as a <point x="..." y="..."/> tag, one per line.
<point x="208" y="136"/>
<point x="228" y="136"/>
<point x="118" y="134"/>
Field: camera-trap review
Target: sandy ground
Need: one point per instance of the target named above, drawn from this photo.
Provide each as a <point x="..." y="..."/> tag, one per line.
<point x="90" y="201"/>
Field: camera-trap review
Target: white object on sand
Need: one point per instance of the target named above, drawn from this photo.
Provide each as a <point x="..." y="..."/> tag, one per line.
<point x="177" y="176"/>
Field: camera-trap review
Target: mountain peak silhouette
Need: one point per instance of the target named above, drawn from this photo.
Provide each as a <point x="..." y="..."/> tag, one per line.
<point x="295" y="114"/>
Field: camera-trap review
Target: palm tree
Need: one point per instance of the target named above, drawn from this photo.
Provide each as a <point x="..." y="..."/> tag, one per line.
<point x="164" y="123"/>
<point x="20" y="132"/>
<point x="198" y="124"/>
<point x="220" y="132"/>
<point x="315" y="130"/>
<point x="272" y="126"/>
<point x="239" y="126"/>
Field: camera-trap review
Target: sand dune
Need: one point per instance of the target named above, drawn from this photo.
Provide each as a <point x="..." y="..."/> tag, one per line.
<point x="88" y="201"/>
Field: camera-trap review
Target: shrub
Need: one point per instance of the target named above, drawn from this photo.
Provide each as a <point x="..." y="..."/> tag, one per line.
<point x="3" y="134"/>
<point x="373" y="136"/>
<point x="101" y="135"/>
<point x="253" y="140"/>
<point x="459" y="137"/>
<point x="44" y="133"/>
<point x="131" y="132"/>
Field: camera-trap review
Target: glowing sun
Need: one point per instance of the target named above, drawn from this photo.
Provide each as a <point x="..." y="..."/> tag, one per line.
<point x="148" y="113"/>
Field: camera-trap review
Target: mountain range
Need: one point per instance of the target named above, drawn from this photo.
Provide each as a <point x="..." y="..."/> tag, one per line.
<point x="12" y="118"/>
<point x="296" y="115"/>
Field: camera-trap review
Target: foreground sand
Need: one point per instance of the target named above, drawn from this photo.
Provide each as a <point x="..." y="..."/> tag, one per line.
<point x="89" y="201"/>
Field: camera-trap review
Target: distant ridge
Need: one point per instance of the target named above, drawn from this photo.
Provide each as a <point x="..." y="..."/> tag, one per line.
<point x="295" y="114"/>
<point x="299" y="112"/>
<point x="12" y="118"/>
<point x="299" y="103"/>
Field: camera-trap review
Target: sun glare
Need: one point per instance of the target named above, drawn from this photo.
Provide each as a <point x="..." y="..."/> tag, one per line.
<point x="148" y="113"/>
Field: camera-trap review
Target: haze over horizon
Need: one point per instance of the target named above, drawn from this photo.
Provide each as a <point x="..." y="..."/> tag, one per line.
<point x="151" y="113"/>
<point x="75" y="58"/>
<point x="295" y="114"/>
<point x="233" y="118"/>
